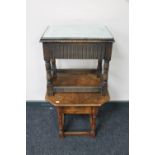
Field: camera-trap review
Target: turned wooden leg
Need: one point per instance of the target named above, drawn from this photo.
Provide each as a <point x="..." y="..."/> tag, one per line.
<point x="49" y="78"/>
<point x="93" y="127"/>
<point x="54" y="68"/>
<point x="104" y="77"/>
<point x="61" y="122"/>
<point x="63" y="119"/>
<point x="93" y="122"/>
<point x="99" y="68"/>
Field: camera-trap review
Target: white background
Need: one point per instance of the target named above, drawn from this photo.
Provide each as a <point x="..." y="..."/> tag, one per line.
<point x="113" y="13"/>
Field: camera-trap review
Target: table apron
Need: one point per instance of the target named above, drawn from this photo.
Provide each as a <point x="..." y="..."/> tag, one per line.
<point x="75" y="50"/>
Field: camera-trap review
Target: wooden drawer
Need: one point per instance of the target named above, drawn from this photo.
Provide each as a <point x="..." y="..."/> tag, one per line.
<point x="76" y="50"/>
<point x="76" y="110"/>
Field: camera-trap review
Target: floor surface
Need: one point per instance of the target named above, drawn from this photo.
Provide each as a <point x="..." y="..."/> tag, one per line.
<point x="112" y="131"/>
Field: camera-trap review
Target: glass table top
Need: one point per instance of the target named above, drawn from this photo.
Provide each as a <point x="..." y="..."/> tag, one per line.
<point x="77" y="32"/>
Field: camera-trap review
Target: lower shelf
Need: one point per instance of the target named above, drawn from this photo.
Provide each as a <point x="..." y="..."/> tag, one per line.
<point x="77" y="88"/>
<point x="77" y="80"/>
<point x="77" y="77"/>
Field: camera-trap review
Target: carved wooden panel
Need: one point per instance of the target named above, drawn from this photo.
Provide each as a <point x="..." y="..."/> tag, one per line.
<point x="76" y="50"/>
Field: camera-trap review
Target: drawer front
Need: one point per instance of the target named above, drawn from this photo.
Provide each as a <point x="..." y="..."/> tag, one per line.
<point x="75" y="50"/>
<point x="77" y="110"/>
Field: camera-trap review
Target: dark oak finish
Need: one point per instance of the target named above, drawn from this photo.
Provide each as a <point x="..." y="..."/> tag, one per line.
<point x="77" y="103"/>
<point x="77" y="50"/>
<point x="77" y="91"/>
<point x="92" y="111"/>
<point x="49" y="78"/>
<point x="61" y="122"/>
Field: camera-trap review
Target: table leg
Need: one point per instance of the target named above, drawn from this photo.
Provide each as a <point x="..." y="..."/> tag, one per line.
<point x="93" y="122"/>
<point x="61" y="122"/>
<point x="99" y="68"/>
<point x="104" y="77"/>
<point x="49" y="78"/>
<point x="63" y="119"/>
<point x="54" y="68"/>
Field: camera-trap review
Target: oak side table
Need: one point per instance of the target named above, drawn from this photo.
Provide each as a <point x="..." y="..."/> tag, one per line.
<point x="77" y="91"/>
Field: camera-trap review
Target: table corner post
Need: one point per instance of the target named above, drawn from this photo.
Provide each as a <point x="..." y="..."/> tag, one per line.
<point x="99" y="68"/>
<point x="50" y="91"/>
<point x="93" y="121"/>
<point x="60" y="121"/>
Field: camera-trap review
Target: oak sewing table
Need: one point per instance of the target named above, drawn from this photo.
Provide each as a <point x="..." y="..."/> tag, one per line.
<point x="77" y="91"/>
